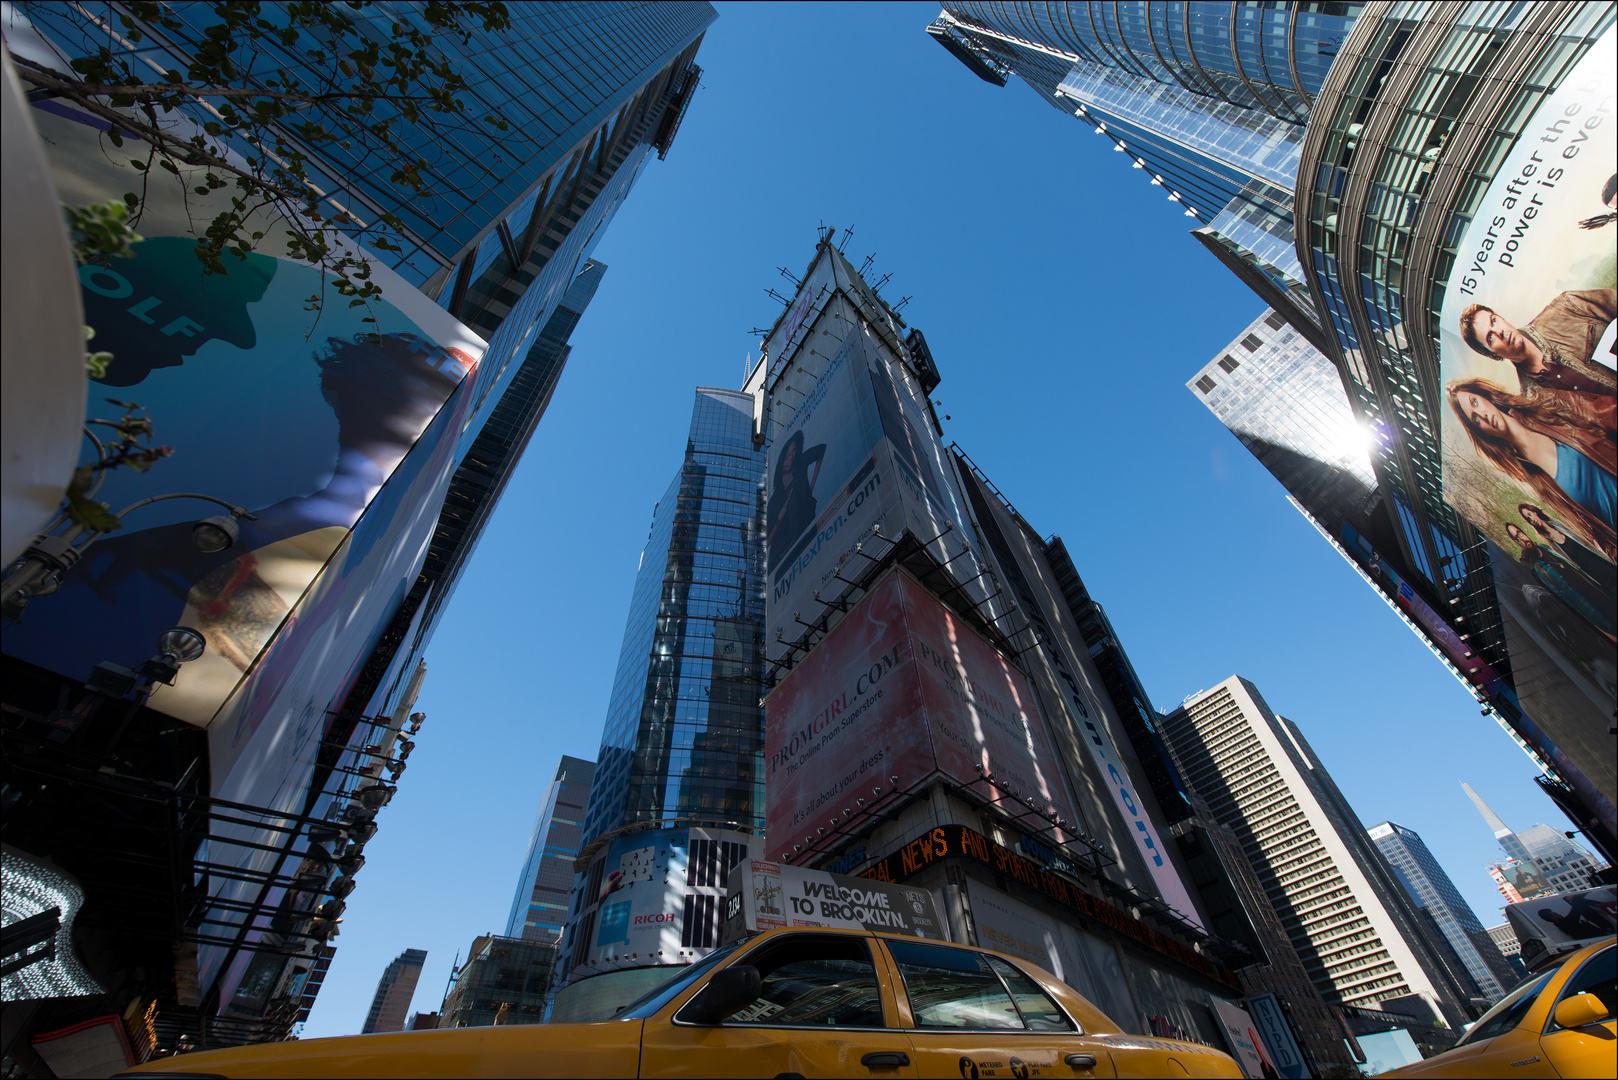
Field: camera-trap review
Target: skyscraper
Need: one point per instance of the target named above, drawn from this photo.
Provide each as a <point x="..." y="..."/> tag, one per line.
<point x="1350" y="920"/>
<point x="1284" y="400"/>
<point x="539" y="908"/>
<point x="317" y="615"/>
<point x="1236" y="111"/>
<point x="1401" y="179"/>
<point x="1238" y="909"/>
<point x="1209" y="101"/>
<point x="935" y="712"/>
<point x="1505" y="939"/>
<point x="393" y="992"/>
<point x="504" y="980"/>
<point x="1430" y="888"/>
<point x="677" y="797"/>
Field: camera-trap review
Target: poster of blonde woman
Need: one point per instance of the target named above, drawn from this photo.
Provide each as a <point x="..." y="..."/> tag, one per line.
<point x="1527" y="361"/>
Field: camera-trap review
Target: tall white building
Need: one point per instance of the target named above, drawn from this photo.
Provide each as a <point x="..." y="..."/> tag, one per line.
<point x="1350" y="921"/>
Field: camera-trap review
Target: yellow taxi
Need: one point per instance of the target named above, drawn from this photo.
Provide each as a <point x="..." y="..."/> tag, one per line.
<point x="787" y="1003"/>
<point x="1558" y="1023"/>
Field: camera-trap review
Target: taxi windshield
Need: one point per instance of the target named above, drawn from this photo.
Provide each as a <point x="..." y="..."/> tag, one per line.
<point x="661" y="994"/>
<point x="1509" y="1012"/>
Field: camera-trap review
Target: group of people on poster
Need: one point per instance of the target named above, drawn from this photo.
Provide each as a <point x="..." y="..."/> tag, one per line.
<point x="1555" y="436"/>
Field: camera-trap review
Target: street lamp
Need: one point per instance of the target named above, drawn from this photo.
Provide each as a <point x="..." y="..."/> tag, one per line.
<point x="178" y="646"/>
<point x="39" y="571"/>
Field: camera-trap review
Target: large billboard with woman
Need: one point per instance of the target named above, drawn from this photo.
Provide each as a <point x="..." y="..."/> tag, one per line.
<point x="1528" y="370"/>
<point x="854" y="465"/>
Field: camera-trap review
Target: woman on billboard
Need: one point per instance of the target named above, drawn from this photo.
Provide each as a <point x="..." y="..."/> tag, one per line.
<point x="1559" y="540"/>
<point x="1568" y="461"/>
<point x="1574" y="588"/>
<point x="792" y="501"/>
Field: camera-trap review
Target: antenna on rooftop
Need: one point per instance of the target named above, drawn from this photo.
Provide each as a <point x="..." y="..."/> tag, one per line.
<point x="778" y="296"/>
<point x="866" y="265"/>
<point x="847" y="234"/>
<point x="789" y="276"/>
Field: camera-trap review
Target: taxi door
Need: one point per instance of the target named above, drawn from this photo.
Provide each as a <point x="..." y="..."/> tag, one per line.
<point x="1589" y="1050"/>
<point x="980" y="1018"/>
<point x="826" y="1010"/>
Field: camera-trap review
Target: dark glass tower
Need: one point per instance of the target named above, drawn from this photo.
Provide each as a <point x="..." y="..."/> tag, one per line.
<point x="1431" y="889"/>
<point x="679" y="778"/>
<point x="682" y="737"/>
<point x="588" y="93"/>
<point x="1208" y="100"/>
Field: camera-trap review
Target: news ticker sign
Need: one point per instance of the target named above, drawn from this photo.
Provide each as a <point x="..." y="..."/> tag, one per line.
<point x="958" y="841"/>
<point x="767" y="896"/>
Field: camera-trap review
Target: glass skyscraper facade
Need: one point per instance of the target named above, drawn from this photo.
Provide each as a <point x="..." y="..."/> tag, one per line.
<point x="1389" y="122"/>
<point x="1426" y="102"/>
<point x="678" y="792"/>
<point x="682" y="739"/>
<point x="539" y="908"/>
<point x="1208" y="100"/>
<point x="501" y="240"/>
<point x="1430" y="888"/>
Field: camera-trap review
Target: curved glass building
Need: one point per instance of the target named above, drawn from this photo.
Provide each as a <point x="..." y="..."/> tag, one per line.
<point x="1411" y="130"/>
<point x="1208" y="100"/>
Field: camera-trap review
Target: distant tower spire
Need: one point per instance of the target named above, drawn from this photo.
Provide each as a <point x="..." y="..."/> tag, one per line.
<point x="1507" y="839"/>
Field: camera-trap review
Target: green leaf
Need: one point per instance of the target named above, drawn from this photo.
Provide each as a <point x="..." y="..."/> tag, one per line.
<point x="91" y="515"/>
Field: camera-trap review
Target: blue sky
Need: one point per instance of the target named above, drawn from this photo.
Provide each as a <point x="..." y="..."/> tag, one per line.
<point x="1066" y="306"/>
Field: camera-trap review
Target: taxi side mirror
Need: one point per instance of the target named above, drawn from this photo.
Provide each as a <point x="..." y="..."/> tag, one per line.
<point x="731" y="989"/>
<point x="1580" y="1010"/>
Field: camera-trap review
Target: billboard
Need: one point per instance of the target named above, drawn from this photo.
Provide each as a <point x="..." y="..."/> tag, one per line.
<point x="335" y="432"/>
<point x="661" y="897"/>
<point x="1526" y="358"/>
<point x="768" y="896"/>
<point x="303" y="418"/>
<point x="900" y="687"/>
<point x="1275" y="1033"/>
<point x="1563" y="921"/>
<point x="856" y="452"/>
<point x="1242" y="1037"/>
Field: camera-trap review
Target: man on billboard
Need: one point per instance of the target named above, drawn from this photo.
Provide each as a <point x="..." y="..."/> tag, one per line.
<point x="1554" y="350"/>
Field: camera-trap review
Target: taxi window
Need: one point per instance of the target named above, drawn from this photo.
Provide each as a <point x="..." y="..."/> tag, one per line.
<point x="1039" y="1012"/>
<point x="1599" y="976"/>
<point x="814" y="980"/>
<point x="953" y="988"/>
<point x="1508" y="1013"/>
<point x="660" y="995"/>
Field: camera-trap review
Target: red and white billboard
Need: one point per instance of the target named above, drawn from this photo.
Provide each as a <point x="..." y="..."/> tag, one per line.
<point x="901" y="687"/>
